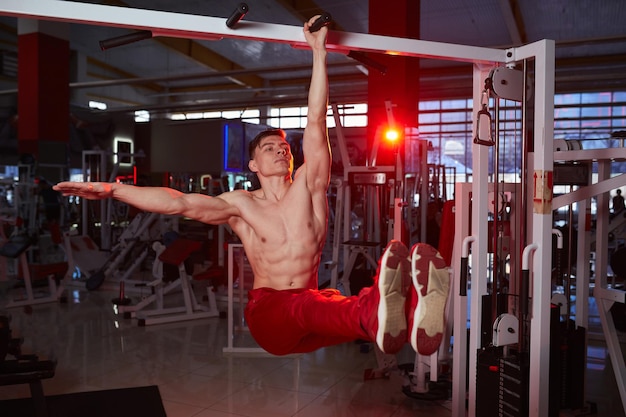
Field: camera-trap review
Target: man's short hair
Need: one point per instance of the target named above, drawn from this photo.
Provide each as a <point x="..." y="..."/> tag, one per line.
<point x="254" y="143"/>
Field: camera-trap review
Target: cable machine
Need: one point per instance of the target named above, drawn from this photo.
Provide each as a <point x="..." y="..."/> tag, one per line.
<point x="510" y="265"/>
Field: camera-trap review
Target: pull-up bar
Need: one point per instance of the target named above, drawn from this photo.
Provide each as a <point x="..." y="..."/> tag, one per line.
<point x="210" y="28"/>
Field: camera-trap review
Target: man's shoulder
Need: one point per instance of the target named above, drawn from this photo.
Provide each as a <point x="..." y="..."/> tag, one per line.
<point x="236" y="195"/>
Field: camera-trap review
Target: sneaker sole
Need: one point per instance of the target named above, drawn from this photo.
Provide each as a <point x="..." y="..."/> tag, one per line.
<point x="432" y="289"/>
<point x="394" y="274"/>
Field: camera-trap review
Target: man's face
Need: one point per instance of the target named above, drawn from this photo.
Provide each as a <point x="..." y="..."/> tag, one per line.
<point x="272" y="157"/>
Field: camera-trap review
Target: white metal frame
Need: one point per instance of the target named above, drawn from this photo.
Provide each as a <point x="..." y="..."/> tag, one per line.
<point x="230" y="343"/>
<point x="236" y="256"/>
<point x="53" y="294"/>
<point x="538" y="235"/>
<point x="459" y="309"/>
<point x="604" y="295"/>
<point x="205" y="27"/>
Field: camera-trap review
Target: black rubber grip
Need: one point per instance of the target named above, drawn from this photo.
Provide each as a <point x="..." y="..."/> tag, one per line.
<point x="464" y="272"/>
<point x="523" y="296"/>
<point x="237" y="15"/>
<point x="125" y="39"/>
<point x="323" y="20"/>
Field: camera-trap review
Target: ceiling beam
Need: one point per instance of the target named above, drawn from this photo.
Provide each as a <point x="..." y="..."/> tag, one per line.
<point x="272" y="85"/>
<point x="151" y="86"/>
<point x="598" y="61"/>
<point x="201" y="54"/>
<point x="205" y="75"/>
<point x="210" y="59"/>
<point x="111" y="99"/>
<point x="514" y="21"/>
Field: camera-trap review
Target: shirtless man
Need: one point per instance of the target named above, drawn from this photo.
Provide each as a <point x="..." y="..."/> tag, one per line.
<point x="283" y="228"/>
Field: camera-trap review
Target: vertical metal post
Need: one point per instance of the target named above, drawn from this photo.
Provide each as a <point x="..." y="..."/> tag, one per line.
<point x="459" y="298"/>
<point x="543" y="158"/>
<point x="480" y="210"/>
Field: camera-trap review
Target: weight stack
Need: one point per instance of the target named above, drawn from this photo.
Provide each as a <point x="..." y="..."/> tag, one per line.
<point x="567" y="364"/>
<point x="488" y="381"/>
<point x="501" y="384"/>
<point x="574" y="359"/>
<point x="513" y="387"/>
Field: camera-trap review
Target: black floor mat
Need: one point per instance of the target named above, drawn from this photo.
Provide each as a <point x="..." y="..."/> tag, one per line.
<point x="127" y="402"/>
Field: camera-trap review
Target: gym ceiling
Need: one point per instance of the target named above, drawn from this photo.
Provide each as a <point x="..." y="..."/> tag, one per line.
<point x="172" y="74"/>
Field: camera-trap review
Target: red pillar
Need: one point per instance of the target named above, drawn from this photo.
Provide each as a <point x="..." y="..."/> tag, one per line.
<point x="400" y="84"/>
<point x="43" y="84"/>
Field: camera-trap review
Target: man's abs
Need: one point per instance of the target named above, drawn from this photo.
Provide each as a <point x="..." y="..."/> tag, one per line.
<point x="291" y="267"/>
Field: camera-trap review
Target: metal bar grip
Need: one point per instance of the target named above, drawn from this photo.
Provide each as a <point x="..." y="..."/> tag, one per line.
<point x="323" y="20"/>
<point x="237" y="15"/>
<point x="464" y="272"/>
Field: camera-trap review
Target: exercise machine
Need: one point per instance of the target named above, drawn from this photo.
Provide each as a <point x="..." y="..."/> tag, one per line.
<point x="387" y="196"/>
<point x="137" y="236"/>
<point x="175" y="254"/>
<point x="17" y="247"/>
<point x="605" y="294"/>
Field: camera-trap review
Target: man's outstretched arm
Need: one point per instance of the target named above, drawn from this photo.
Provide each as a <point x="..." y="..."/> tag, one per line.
<point x="162" y="200"/>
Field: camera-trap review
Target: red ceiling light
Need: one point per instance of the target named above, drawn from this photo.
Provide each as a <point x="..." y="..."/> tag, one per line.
<point x="392" y="134"/>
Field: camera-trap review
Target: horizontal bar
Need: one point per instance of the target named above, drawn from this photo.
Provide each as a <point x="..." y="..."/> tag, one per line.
<point x="211" y="28"/>
<point x="589" y="191"/>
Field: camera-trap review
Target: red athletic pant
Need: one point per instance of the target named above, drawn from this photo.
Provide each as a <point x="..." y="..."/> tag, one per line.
<point x="303" y="320"/>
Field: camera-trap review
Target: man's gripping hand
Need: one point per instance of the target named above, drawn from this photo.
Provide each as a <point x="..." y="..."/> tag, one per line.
<point x="88" y="190"/>
<point x="317" y="39"/>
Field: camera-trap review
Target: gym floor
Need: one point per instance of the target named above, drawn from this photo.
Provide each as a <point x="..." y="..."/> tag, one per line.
<point x="97" y="349"/>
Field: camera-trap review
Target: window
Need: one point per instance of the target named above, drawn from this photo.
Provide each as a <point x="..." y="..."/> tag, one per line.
<point x="351" y="115"/>
<point x="245" y="115"/>
<point x="586" y="117"/>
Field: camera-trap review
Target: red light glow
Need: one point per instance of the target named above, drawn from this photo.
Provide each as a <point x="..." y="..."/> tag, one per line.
<point x="392" y="135"/>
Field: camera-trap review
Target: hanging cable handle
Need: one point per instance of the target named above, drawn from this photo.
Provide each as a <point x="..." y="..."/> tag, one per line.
<point x="485" y="115"/>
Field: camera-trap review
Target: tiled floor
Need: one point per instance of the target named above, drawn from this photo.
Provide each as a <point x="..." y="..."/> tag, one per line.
<point x="97" y="349"/>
